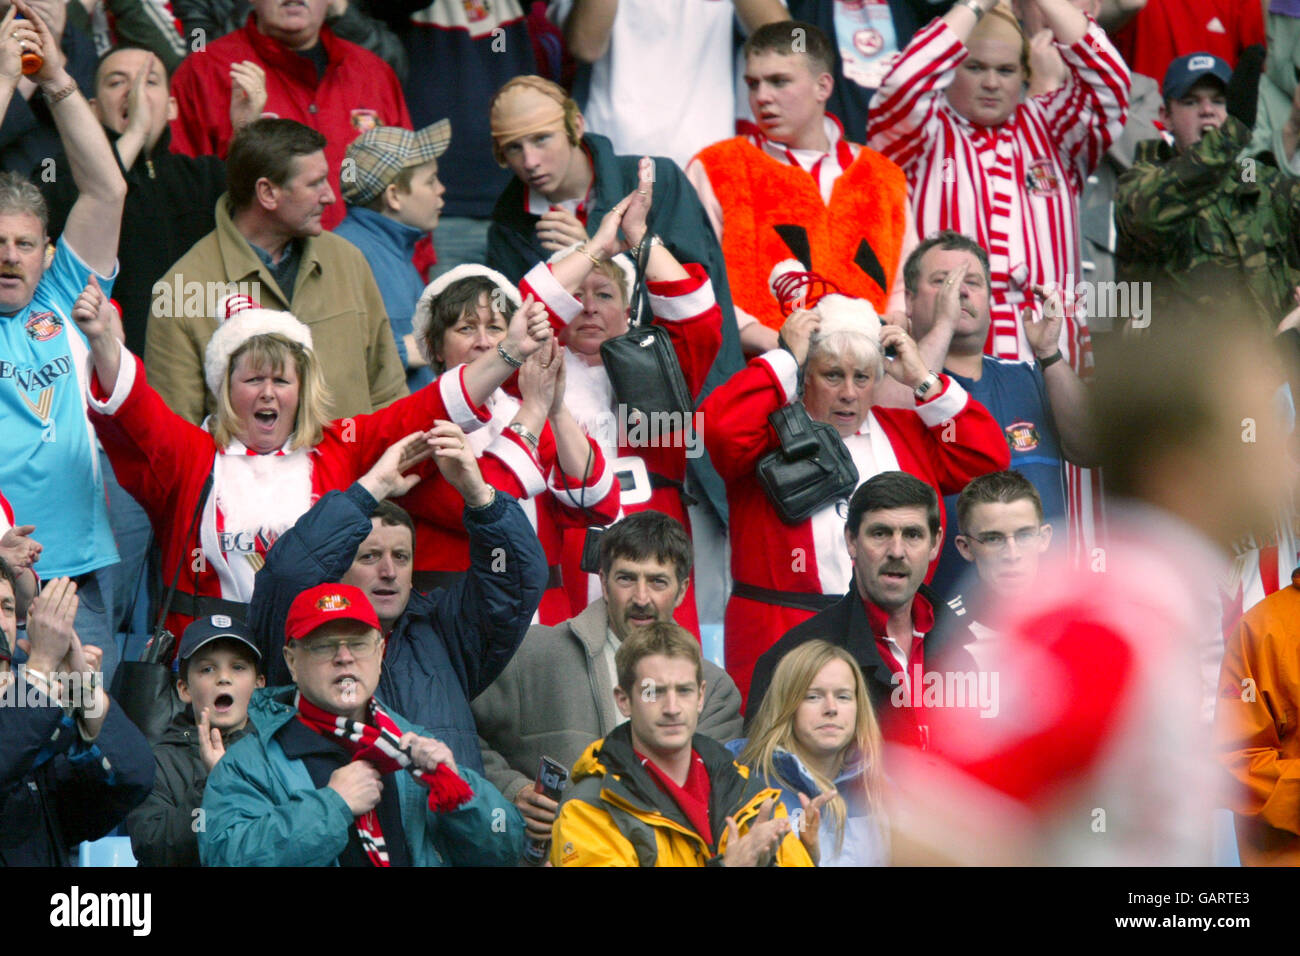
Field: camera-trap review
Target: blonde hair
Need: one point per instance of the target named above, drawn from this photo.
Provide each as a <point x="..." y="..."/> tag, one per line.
<point x="773" y="727"/>
<point x="313" y="394"/>
<point x="615" y="274"/>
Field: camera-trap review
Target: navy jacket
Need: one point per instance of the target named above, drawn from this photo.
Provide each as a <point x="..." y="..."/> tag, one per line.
<point x="55" y="791"/>
<point x="676" y="216"/>
<point x="448" y="645"/>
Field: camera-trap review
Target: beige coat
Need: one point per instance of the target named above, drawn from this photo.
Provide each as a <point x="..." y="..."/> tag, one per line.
<point x="335" y="296"/>
<point x="551" y="698"/>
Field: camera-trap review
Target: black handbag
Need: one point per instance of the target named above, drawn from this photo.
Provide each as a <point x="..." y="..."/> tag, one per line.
<point x="146" y="689"/>
<point x="642" y="363"/>
<point x="812" y="467"/>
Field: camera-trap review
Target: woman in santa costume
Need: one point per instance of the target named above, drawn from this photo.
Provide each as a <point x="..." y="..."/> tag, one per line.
<point x="219" y="495"/>
<point x="832" y="360"/>
<point x="587" y="290"/>
<point x="529" y="445"/>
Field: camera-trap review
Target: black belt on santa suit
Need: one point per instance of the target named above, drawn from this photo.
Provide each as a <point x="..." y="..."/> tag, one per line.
<point x="199" y="605"/>
<point x="426" y="581"/>
<point x="799" y="600"/>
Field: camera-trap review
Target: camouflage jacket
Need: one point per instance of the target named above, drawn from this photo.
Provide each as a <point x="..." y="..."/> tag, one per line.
<point x="1206" y="223"/>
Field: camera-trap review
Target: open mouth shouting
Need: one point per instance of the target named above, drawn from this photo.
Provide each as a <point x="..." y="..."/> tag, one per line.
<point x="223" y="704"/>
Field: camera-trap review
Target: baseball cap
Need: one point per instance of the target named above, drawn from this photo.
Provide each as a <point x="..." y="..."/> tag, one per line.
<point x="1186" y="70"/>
<point x="205" y="630"/>
<point x="325" y="603"/>
<point x="378" y="155"/>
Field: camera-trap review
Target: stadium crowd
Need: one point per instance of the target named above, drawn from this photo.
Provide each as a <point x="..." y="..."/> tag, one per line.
<point x="649" y="432"/>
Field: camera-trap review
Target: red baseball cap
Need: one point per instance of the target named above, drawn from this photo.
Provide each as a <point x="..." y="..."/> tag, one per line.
<point x="325" y="603"/>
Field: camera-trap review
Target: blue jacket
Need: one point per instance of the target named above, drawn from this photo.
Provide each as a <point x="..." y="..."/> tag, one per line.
<point x="262" y="809"/>
<point x="449" y="645"/>
<point x="388" y="246"/>
<point x="866" y="839"/>
<point x="55" y="791"/>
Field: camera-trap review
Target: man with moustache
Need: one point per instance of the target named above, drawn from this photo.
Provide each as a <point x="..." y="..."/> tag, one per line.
<point x="556" y="695"/>
<point x="890" y="621"/>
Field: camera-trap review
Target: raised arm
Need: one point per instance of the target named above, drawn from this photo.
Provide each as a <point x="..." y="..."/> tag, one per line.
<point x="96" y="217"/>
<point x="587" y="28"/>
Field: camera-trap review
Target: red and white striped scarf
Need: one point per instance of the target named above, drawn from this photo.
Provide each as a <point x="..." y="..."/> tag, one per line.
<point x="379" y="742"/>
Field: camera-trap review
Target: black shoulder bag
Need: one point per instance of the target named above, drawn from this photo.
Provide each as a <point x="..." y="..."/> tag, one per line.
<point x="642" y="363"/>
<point x="812" y="467"/>
<point x="146" y="689"/>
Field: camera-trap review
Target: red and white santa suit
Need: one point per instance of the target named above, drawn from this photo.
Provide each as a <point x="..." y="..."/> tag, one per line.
<point x="552" y="500"/>
<point x="1097" y="748"/>
<point x="947" y="440"/>
<point x="1013" y="188"/>
<point x="688" y="311"/>
<point x="164" y="461"/>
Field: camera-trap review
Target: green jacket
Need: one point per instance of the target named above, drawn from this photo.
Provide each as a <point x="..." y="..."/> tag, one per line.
<point x="262" y="809"/>
<point x="1208" y="222"/>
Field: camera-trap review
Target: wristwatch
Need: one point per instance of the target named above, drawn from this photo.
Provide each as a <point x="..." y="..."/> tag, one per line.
<point x="1046" y="363"/>
<point x="519" y="429"/>
<point x="973" y="6"/>
<point x="924" y="388"/>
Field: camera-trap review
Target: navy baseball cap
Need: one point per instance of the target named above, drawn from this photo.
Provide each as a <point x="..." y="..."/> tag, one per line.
<point x="205" y="630"/>
<point x="1184" y="72"/>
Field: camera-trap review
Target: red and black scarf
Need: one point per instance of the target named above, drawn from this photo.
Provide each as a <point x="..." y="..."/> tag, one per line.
<point x="379" y="742"/>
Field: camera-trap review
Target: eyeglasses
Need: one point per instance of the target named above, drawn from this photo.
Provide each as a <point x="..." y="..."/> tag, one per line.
<point x="359" y="647"/>
<point x="997" y="541"/>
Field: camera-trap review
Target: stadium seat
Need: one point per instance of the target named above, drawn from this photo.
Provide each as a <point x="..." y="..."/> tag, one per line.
<point x="108" y="851"/>
<point x="711" y="642"/>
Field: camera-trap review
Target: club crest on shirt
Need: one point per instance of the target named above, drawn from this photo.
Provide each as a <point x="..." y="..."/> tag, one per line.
<point x="477" y="10"/>
<point x="363" y="121"/>
<point x="43" y="326"/>
<point x="1022" y="436"/>
<point x="868" y="42"/>
<point x="1041" y="178"/>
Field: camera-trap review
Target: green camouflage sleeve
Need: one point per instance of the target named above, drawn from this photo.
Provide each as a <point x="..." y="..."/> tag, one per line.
<point x="1155" y="202"/>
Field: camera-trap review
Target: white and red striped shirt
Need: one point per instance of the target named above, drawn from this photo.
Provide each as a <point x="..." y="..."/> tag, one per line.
<point x="1013" y="188"/>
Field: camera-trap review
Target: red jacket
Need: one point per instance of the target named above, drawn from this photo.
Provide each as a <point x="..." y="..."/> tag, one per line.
<point x="441" y="543"/>
<point x="163" y="461"/>
<point x="946" y="441"/>
<point x="358" y="92"/>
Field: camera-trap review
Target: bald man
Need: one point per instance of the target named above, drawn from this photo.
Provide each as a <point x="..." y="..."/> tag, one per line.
<point x="565" y="180"/>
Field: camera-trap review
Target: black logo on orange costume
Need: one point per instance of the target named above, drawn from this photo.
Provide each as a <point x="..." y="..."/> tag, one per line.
<point x="43" y="326"/>
<point x="1022" y="436"/>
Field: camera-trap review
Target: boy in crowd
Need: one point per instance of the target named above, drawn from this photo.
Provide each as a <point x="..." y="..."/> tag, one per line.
<point x="394" y="197"/>
<point x="219" y="667"/>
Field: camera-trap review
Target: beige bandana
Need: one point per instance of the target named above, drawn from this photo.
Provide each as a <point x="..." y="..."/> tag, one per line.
<point x="526" y="105"/>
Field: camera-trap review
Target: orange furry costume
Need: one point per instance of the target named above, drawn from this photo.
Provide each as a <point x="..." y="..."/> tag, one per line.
<point x="774" y="211"/>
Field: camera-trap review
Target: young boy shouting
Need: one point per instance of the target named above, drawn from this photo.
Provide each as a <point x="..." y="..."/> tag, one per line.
<point x="219" y="667"/>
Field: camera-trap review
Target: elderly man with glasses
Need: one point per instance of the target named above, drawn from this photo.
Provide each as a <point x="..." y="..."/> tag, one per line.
<point x="333" y="777"/>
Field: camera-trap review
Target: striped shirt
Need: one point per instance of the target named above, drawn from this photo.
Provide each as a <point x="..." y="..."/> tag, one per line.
<point x="1013" y="188"/>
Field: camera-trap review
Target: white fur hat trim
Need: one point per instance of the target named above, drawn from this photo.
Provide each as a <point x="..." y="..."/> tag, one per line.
<point x="423" y="309"/>
<point x="240" y="319"/>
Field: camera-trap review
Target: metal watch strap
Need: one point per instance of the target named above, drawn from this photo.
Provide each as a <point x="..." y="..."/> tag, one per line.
<point x="926" y="386"/>
<point x="973" y="6"/>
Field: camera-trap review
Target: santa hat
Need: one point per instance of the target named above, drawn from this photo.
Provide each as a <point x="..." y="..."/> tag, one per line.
<point x="424" y="308"/>
<point x="240" y="319"/>
<point x="797" y="288"/>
